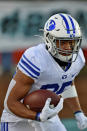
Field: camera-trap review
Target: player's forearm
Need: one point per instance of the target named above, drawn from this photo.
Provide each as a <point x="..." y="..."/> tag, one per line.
<point x="73" y="104"/>
<point x="20" y="110"/>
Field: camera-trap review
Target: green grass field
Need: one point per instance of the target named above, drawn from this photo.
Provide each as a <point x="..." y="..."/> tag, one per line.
<point x="71" y="125"/>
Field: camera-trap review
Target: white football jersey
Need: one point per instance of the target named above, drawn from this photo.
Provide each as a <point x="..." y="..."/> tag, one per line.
<point x="37" y="63"/>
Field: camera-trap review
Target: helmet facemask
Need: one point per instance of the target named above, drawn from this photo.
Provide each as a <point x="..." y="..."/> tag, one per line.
<point x="63" y="54"/>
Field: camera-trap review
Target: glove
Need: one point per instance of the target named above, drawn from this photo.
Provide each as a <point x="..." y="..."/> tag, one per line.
<point x="48" y="112"/>
<point x="81" y="120"/>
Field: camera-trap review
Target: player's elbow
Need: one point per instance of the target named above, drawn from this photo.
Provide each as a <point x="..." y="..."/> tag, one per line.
<point x="8" y="105"/>
<point x="11" y="104"/>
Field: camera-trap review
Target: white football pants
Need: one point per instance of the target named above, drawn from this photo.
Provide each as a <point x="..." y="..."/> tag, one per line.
<point x="53" y="124"/>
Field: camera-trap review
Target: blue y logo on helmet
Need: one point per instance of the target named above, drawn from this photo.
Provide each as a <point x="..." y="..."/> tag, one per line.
<point x="50" y="25"/>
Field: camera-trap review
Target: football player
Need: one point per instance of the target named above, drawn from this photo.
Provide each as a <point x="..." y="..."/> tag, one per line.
<point x="52" y="65"/>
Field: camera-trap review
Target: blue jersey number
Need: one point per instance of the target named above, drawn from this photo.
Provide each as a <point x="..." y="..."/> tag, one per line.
<point x="55" y="87"/>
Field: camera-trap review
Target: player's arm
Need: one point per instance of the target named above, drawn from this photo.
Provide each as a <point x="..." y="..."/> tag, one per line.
<point x="71" y="98"/>
<point x="21" y="87"/>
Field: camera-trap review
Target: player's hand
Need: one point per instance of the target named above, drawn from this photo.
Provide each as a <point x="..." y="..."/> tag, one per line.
<point x="81" y="120"/>
<point x="48" y="112"/>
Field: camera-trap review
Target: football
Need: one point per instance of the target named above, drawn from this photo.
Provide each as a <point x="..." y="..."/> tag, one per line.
<point x="36" y="99"/>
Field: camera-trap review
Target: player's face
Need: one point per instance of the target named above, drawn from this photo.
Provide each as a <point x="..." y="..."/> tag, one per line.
<point x="67" y="45"/>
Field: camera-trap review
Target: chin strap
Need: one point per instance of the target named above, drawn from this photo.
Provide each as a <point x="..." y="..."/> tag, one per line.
<point x="63" y="58"/>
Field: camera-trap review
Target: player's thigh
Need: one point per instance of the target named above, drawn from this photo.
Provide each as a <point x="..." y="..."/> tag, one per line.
<point x="59" y="124"/>
<point x="54" y="125"/>
<point x="18" y="126"/>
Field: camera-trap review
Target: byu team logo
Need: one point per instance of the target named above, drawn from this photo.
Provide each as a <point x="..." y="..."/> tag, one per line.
<point x="50" y="25"/>
<point x="64" y="76"/>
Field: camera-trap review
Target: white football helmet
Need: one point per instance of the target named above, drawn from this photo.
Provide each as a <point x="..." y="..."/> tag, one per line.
<point x="62" y="27"/>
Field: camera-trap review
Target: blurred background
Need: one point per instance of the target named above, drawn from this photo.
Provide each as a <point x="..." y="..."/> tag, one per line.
<point x="20" y="24"/>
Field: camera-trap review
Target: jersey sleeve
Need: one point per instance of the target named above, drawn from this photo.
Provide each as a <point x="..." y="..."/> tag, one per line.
<point x="82" y="56"/>
<point x="81" y="59"/>
<point x="29" y="64"/>
<point x="80" y="62"/>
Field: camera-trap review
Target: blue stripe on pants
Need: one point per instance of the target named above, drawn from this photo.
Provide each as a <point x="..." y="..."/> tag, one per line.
<point x="4" y="126"/>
